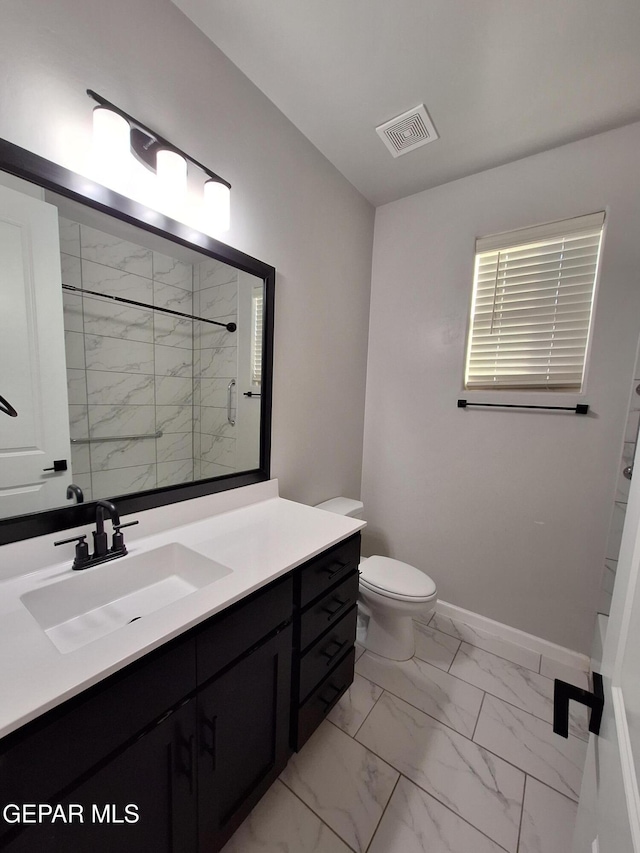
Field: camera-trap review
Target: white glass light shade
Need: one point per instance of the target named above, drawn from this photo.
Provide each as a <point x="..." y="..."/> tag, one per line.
<point x="171" y="169"/>
<point x="111" y="146"/>
<point x="217" y="206"/>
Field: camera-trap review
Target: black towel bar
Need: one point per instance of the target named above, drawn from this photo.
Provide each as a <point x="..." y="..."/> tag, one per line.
<point x="579" y="409"/>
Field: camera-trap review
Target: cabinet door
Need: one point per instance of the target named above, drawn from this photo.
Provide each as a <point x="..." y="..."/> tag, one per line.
<point x="243" y="738"/>
<point x="154" y="780"/>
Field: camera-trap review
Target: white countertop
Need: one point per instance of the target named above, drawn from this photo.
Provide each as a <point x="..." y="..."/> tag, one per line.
<point x="258" y="542"/>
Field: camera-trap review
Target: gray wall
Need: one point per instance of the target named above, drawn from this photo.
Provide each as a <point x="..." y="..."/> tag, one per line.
<point x="507" y="511"/>
<point x="290" y="207"/>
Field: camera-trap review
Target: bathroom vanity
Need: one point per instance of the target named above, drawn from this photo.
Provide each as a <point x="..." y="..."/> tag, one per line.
<point x="164" y="733"/>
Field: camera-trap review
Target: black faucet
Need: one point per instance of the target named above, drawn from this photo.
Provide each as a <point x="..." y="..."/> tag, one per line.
<point x="100" y="545"/>
<point x="73" y="490"/>
<point x="101" y="550"/>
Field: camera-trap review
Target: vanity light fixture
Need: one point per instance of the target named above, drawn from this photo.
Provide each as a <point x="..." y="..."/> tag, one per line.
<point x="119" y="140"/>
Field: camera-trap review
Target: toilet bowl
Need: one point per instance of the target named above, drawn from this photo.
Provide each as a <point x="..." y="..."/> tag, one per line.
<point x="391" y="594"/>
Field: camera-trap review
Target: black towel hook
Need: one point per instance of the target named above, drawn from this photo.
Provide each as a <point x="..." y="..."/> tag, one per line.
<point x="7" y="408"/>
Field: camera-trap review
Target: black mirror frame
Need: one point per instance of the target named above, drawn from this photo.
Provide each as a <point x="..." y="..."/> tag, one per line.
<point x="37" y="170"/>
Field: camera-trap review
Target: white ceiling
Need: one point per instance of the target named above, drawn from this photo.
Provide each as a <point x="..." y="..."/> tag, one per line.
<point x="501" y="79"/>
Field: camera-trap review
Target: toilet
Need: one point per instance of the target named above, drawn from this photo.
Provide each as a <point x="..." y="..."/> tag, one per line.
<point x="391" y="594"/>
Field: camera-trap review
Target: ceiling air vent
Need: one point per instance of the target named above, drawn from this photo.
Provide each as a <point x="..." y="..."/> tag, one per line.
<point x="408" y="131"/>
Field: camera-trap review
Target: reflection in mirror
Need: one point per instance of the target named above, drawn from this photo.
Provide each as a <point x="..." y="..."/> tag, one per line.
<point x="119" y="398"/>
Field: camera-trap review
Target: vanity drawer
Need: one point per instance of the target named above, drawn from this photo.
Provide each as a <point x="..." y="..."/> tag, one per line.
<point x="239" y="629"/>
<point x="328" y="610"/>
<point x="322" y="700"/>
<point x="324" y="653"/>
<point x="328" y="568"/>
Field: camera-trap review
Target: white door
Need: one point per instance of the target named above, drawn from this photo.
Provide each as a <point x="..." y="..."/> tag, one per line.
<point x="609" y="810"/>
<point x="32" y="357"/>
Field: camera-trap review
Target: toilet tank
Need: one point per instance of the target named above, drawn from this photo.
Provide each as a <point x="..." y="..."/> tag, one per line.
<point x="343" y="506"/>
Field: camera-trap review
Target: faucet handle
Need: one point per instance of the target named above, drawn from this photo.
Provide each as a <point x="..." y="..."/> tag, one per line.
<point x="82" y="550"/>
<point x="118" y="546"/>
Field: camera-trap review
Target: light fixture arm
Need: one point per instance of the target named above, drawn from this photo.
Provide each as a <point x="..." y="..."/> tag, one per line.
<point x="146" y="142"/>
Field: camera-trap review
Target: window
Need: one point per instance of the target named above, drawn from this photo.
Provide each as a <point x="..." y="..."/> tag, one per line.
<point x="532" y="303"/>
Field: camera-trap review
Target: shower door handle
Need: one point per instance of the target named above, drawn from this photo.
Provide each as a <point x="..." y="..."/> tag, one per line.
<point x="229" y="394"/>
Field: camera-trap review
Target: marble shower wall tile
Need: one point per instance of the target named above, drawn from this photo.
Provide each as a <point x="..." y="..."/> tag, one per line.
<point x="215" y="422"/>
<point x="487" y="641"/>
<point x="80" y="463"/>
<point x="172" y="473"/>
<point x="478" y="786"/>
<point x="77" y="386"/>
<point x="174" y="418"/>
<point x="218" y="449"/>
<point x="212" y="469"/>
<point x="124" y="481"/>
<point x="69" y="232"/>
<point x="530" y="743"/>
<point x="113" y="421"/>
<point x="212" y="273"/>
<point x="445" y="698"/>
<point x="74" y="350"/>
<point x="173" y="361"/>
<point x="71" y="270"/>
<point x="115" y="320"/>
<point x="173" y="447"/>
<point x="219" y="301"/>
<point x="113" y="252"/>
<point x="415" y="822"/>
<point x="222" y="361"/>
<point x="344" y="783"/>
<point x="172" y="271"/>
<point x="515" y="684"/>
<point x="174" y="391"/>
<point x="106" y="387"/>
<point x="104" y="353"/>
<point x="282" y="822"/>
<point x="173" y="331"/>
<point x="115" y="282"/>
<point x="78" y="422"/>
<point x="548" y="819"/>
<point x="107" y="455"/>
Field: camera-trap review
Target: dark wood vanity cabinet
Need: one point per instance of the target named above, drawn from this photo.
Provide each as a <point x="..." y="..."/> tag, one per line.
<point x="188" y="738"/>
<point x="171" y="753"/>
<point x="325" y="620"/>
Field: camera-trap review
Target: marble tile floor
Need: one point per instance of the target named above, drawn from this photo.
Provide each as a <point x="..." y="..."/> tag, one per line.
<point x="450" y="752"/>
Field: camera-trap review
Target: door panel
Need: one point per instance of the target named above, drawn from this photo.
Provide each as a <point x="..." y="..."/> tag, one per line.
<point x="32" y="357"/>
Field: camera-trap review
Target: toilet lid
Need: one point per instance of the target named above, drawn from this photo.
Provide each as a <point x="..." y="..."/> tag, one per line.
<point x="395" y="577"/>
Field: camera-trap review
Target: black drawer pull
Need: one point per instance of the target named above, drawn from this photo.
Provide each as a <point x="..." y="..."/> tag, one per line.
<point x="563" y="692"/>
<point x="338" y="606"/>
<point x="331" y="656"/>
<point x="189" y="770"/>
<point x="331" y="572"/>
<point x="328" y="702"/>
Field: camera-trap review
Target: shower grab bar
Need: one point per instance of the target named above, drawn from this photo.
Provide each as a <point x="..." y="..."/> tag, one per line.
<point x="229" y="393"/>
<point x="579" y="409"/>
<point x="157" y="434"/>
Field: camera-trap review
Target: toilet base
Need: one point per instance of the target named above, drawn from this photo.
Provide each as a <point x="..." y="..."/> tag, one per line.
<point x="391" y="637"/>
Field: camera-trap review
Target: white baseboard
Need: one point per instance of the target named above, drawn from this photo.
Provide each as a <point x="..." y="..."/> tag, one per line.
<point x="514" y="635"/>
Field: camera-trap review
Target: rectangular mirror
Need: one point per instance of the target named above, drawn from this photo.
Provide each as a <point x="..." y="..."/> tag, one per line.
<point x="135" y="358"/>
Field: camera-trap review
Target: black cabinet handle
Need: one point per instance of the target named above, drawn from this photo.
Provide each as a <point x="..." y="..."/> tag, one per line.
<point x="211" y="750"/>
<point x="331" y="656"/>
<point x="331" y="572"/>
<point x="187" y="745"/>
<point x="333" y="611"/>
<point x="563" y="693"/>
<point x="333" y="699"/>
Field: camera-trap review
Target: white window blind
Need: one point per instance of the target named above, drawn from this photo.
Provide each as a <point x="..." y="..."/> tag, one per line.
<point x="257" y="304"/>
<point x="532" y="302"/>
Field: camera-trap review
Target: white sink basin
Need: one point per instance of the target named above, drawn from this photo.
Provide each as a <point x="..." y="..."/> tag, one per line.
<point x="94" y="602"/>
